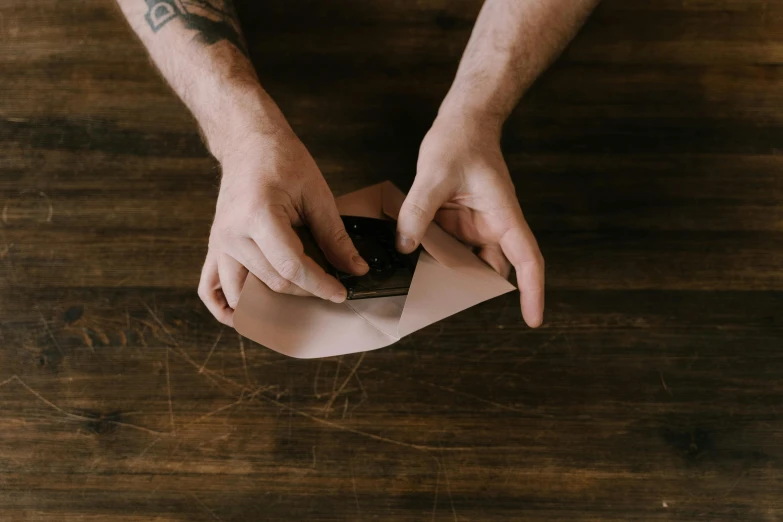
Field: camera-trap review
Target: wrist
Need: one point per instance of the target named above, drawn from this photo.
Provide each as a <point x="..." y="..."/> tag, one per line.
<point x="238" y="114"/>
<point x="471" y="118"/>
<point x="459" y="109"/>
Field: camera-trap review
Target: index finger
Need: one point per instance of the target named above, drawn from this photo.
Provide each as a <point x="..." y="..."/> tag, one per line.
<point x="285" y="252"/>
<point x="521" y="249"/>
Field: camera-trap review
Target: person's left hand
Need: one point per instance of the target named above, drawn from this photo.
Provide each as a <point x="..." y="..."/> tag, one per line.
<point x="463" y="183"/>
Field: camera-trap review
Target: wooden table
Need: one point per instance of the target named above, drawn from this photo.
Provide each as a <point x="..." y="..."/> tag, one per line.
<point x="647" y="161"/>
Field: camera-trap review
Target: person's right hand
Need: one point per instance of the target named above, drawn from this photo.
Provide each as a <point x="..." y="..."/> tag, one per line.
<point x="270" y="185"/>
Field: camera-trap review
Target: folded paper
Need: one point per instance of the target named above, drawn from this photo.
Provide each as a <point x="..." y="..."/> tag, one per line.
<point x="448" y="279"/>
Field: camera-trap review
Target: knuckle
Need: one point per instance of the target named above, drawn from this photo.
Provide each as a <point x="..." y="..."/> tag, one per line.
<point x="278" y="284"/>
<point x="433" y="161"/>
<point x="339" y="235"/>
<point x="508" y="219"/>
<point x="221" y="232"/>
<point x="206" y="295"/>
<point x="290" y="268"/>
<point x="440" y="175"/>
<point x="255" y="218"/>
<point x="203" y="289"/>
<point x="255" y="266"/>
<point x="416" y="210"/>
<point x="536" y="263"/>
<point x="321" y="290"/>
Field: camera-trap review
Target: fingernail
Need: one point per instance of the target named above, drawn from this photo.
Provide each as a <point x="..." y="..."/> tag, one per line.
<point x="338" y="297"/>
<point x="406" y="244"/>
<point x="357" y="260"/>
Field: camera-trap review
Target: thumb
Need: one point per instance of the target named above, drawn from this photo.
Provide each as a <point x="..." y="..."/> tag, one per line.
<point x="418" y="210"/>
<point x="330" y="234"/>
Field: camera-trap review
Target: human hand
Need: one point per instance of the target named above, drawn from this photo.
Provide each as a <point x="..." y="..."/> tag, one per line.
<point x="270" y="185"/>
<point x="462" y="182"/>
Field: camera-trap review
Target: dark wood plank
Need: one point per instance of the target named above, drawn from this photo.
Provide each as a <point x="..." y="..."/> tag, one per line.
<point x="647" y="161"/>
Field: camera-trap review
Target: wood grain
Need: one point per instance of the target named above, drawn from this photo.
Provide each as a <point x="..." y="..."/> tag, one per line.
<point x="647" y="161"/>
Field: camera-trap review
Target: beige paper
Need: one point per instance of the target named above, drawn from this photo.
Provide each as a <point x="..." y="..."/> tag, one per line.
<point x="448" y="278"/>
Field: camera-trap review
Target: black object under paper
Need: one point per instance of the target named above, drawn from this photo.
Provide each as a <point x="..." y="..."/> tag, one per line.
<point x="390" y="271"/>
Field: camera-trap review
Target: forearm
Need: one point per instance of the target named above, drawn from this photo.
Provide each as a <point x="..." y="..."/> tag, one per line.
<point x="512" y="43"/>
<point x="199" y="49"/>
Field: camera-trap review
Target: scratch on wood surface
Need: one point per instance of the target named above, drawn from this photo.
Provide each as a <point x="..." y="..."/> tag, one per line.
<point x="339" y="427"/>
<point x="149" y="447"/>
<point x="336" y="426"/>
<point x="487" y="354"/>
<point x="364" y="394"/>
<point x="225" y="436"/>
<point x="241" y="399"/>
<point x="458" y="392"/>
<point x="355" y="494"/>
<point x="448" y="489"/>
<point x="437" y="487"/>
<point x="337" y="373"/>
<point x="159" y="323"/>
<point x="205" y="508"/>
<point x="315" y="380"/>
<point x="548" y="342"/>
<point x="140" y="333"/>
<point x="361" y="387"/>
<point x="50" y="207"/>
<point x="209" y="374"/>
<point x="244" y="359"/>
<point x="335" y="394"/>
<point x="663" y="382"/>
<point x="225" y="407"/>
<point x="51" y="335"/>
<point x="258" y="394"/>
<point x="734" y="485"/>
<point x="204" y="364"/>
<point x="74" y="416"/>
<point x="154" y="490"/>
<point x="168" y="390"/>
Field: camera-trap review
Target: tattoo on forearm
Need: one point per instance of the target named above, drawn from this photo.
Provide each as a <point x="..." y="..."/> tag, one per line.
<point x="215" y="20"/>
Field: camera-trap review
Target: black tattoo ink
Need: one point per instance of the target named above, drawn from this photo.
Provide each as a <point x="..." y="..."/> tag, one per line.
<point x="215" y="20"/>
